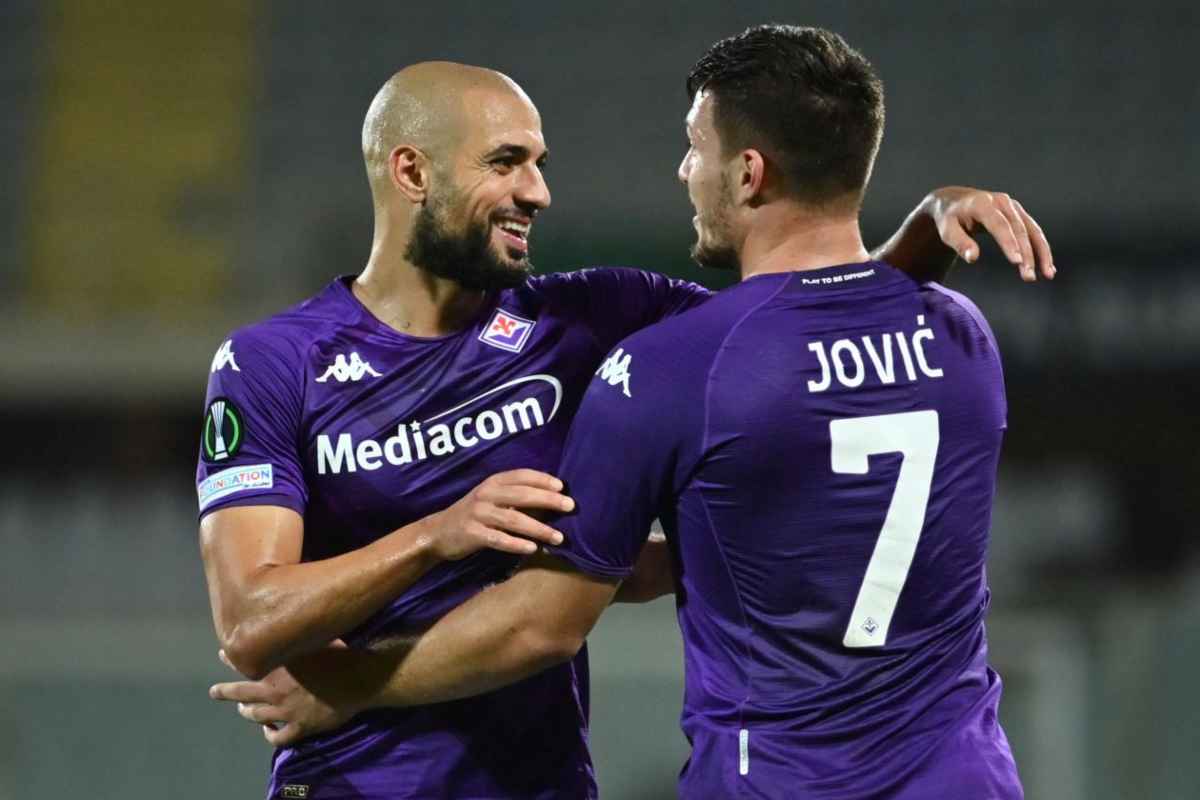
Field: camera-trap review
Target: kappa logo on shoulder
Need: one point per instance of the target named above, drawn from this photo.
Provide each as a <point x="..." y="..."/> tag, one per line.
<point x="615" y="370"/>
<point x="507" y="331"/>
<point x="224" y="358"/>
<point x="354" y="369"/>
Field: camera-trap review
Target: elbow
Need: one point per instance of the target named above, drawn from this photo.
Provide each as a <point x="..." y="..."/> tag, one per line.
<point x="246" y="652"/>
<point x="548" y="648"/>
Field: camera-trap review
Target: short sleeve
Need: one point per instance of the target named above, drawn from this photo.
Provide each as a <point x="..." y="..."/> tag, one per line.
<point x="619" y="301"/>
<point x="249" y="451"/>
<point x="626" y="449"/>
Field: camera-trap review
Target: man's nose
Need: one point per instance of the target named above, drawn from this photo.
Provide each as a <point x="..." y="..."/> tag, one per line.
<point x="533" y="189"/>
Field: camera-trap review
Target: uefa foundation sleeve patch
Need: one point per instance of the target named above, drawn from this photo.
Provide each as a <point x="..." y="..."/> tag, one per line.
<point x="232" y="481"/>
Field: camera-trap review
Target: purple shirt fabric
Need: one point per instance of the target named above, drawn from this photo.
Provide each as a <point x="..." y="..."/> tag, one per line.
<point x="360" y="429"/>
<point x="821" y="447"/>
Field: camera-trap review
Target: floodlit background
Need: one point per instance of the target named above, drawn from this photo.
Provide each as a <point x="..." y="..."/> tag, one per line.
<point x="170" y="170"/>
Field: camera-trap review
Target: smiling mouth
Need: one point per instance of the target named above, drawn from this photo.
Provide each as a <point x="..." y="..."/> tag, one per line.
<point x="515" y="234"/>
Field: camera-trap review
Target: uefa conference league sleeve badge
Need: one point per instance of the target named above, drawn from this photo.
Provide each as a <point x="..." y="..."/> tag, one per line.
<point x="224" y="430"/>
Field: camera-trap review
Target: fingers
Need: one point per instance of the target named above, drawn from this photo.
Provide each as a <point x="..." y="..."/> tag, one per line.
<point x="515" y="495"/>
<point x="239" y="692"/>
<point x="997" y="224"/>
<point x="225" y="660"/>
<point x="955" y="237"/>
<point x="527" y="477"/>
<point x="505" y="543"/>
<point x="282" y="736"/>
<point x="1007" y="207"/>
<point x="1041" y="245"/>
<point x="260" y="713"/>
<point x="513" y="521"/>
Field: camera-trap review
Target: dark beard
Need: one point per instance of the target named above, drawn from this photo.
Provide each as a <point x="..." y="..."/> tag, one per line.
<point x="466" y="258"/>
<point x="722" y="257"/>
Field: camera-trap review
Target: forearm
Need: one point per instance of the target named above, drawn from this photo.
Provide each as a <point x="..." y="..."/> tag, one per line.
<point x="534" y="620"/>
<point x="916" y="247"/>
<point x="505" y="634"/>
<point x="285" y="610"/>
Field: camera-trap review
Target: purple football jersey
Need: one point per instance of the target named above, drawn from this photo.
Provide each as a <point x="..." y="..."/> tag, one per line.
<point x="326" y="410"/>
<point x="821" y="447"/>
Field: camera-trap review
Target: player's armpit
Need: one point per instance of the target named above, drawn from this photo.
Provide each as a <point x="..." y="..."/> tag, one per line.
<point x="652" y="576"/>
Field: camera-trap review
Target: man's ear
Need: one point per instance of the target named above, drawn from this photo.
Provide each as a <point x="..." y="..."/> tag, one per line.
<point x="409" y="170"/>
<point x="750" y="178"/>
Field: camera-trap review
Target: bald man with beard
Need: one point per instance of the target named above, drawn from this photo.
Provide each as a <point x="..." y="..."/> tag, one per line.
<point x="377" y="455"/>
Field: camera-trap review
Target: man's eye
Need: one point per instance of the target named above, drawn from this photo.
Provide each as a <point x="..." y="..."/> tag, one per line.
<point x="504" y="163"/>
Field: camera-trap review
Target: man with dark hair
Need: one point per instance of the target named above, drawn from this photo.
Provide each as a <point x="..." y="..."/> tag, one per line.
<point x="491" y="387"/>
<point x="810" y="102"/>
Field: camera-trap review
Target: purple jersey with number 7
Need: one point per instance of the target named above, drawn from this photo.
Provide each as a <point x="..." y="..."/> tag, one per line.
<point x="821" y="447"/>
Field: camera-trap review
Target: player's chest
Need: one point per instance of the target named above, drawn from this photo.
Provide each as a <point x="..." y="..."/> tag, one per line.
<point x="400" y="431"/>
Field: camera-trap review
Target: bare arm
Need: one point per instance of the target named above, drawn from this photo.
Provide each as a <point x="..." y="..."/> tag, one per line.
<point x="652" y="576"/>
<point x="534" y="620"/>
<point x="268" y="607"/>
<point x="937" y="232"/>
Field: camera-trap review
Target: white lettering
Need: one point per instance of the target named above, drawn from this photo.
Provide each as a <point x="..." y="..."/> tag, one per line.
<point x="919" y="351"/>
<point x="412" y="443"/>
<point x="418" y="441"/>
<point x="332" y="460"/>
<point x="369" y="452"/>
<point x="885" y="367"/>
<point x="844" y="360"/>
<point x="495" y="425"/>
<point x="400" y="440"/>
<point x="440" y="443"/>
<point x="839" y="366"/>
<point x="905" y="356"/>
<point x="524" y="408"/>
<point x="460" y="435"/>
<point x="826" y="378"/>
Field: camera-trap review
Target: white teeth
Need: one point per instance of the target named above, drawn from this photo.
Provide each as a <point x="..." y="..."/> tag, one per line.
<point x="516" y="228"/>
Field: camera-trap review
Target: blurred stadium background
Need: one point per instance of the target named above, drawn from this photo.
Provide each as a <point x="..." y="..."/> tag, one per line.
<point x="171" y="170"/>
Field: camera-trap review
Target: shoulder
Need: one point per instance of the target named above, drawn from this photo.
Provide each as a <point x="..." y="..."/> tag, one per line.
<point x="678" y="352"/>
<point x="630" y="281"/>
<point x="706" y="326"/>
<point x="960" y="312"/>
<point x="283" y="340"/>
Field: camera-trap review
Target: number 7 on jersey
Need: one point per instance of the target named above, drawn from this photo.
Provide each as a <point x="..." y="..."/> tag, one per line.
<point x="914" y="435"/>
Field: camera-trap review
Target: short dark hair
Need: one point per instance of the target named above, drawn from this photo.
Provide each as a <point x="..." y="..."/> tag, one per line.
<point x="801" y="96"/>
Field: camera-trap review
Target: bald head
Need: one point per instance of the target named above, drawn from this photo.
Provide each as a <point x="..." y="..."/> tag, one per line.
<point x="425" y="105"/>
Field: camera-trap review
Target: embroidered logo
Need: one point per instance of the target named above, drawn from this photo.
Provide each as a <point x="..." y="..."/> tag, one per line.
<point x="354" y="369"/>
<point x="507" y="331"/>
<point x="224" y="358"/>
<point x="615" y="370"/>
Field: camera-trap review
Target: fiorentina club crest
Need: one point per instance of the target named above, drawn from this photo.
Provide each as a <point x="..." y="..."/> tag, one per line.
<point x="507" y="331"/>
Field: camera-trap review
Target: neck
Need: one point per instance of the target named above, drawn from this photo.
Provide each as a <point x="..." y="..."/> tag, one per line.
<point x="406" y="297"/>
<point x="785" y="237"/>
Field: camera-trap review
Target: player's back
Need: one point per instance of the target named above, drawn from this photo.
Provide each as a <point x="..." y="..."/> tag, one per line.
<point x="832" y="537"/>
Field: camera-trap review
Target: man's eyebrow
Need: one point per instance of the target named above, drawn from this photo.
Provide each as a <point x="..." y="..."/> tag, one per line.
<point x="515" y="151"/>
